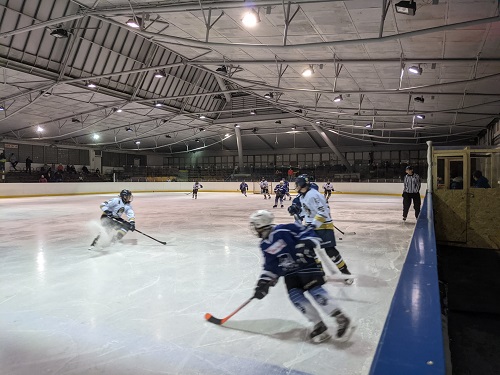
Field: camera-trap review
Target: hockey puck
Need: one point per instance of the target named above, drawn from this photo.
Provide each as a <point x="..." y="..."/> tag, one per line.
<point x="340" y="238"/>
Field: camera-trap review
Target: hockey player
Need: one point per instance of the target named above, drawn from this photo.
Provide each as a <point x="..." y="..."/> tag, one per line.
<point x="288" y="251"/>
<point x="328" y="188"/>
<point x="317" y="215"/>
<point x="264" y="188"/>
<point x="279" y="191"/>
<point x="197" y="186"/>
<point x="244" y="188"/>
<point x="287" y="187"/>
<point x="111" y="219"/>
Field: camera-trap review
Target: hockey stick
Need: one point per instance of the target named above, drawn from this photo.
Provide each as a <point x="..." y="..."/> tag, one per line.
<point x="125" y="224"/>
<point x="214" y="320"/>
<point x="344" y="233"/>
<point x="144" y="234"/>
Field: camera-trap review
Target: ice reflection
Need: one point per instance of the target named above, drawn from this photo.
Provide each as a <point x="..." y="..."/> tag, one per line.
<point x="40" y="261"/>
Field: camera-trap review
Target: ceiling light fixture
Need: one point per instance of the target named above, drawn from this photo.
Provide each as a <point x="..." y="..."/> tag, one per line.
<point x="236" y="125"/>
<point x="95" y="136"/>
<point x="307" y="72"/>
<point x="269" y="95"/>
<point x="135" y="22"/>
<point x="160" y="74"/>
<point x="369" y="125"/>
<point x="197" y="140"/>
<point x="137" y="142"/>
<point x="202" y="129"/>
<point x="168" y="136"/>
<point x="419" y="99"/>
<point x="2" y="108"/>
<point x="420" y="117"/>
<point x="252" y="112"/>
<point x="202" y="117"/>
<point x="415" y="69"/>
<point x="128" y="130"/>
<point x="299" y="111"/>
<point x="406" y="7"/>
<point x="278" y="122"/>
<point x="250" y="18"/>
<point x="222" y="69"/>
<point x="91" y="85"/>
<point x="158" y="104"/>
<point x="338" y="99"/>
<point x="318" y="122"/>
<point x="59" y="32"/>
<point x="39" y="129"/>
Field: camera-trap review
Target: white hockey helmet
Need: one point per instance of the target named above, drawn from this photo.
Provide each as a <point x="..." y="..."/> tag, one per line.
<point x="261" y="221"/>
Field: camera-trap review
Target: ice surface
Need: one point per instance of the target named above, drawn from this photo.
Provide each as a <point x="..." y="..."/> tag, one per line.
<point x="138" y="307"/>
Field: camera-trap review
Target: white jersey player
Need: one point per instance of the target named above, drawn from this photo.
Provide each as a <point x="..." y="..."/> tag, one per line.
<point x="317" y="215"/>
<point x="197" y="186"/>
<point x="328" y="188"/>
<point x="264" y="188"/>
<point x="111" y="219"/>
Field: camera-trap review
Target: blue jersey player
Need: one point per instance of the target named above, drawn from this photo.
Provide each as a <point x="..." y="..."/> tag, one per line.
<point x="288" y="251"/>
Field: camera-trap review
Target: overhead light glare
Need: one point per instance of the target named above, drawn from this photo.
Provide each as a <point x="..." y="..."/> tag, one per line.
<point x="2" y="108"/>
<point x="137" y="142"/>
<point x="39" y="129"/>
<point x="369" y="125"/>
<point x="91" y="85"/>
<point x="202" y="117"/>
<point x="406" y="7"/>
<point x="197" y="139"/>
<point x="338" y="99"/>
<point x="202" y="129"/>
<point x="95" y="136"/>
<point x="252" y="112"/>
<point x="236" y="125"/>
<point x="420" y="117"/>
<point x="307" y="72"/>
<point x="128" y="130"/>
<point x="318" y="122"/>
<point x="415" y="69"/>
<point x="250" y="18"/>
<point x="269" y="95"/>
<point x="158" y="104"/>
<point x="135" y="23"/>
<point x="160" y="74"/>
<point x="227" y="135"/>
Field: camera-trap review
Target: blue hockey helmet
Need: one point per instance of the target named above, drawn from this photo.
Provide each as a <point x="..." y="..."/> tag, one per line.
<point x="302" y="181"/>
<point x="126" y="196"/>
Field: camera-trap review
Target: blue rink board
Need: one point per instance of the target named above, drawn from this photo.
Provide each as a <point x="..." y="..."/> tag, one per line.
<point x="412" y="339"/>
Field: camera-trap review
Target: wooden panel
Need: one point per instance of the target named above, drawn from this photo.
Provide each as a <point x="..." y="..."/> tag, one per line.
<point x="450" y="213"/>
<point x="483" y="230"/>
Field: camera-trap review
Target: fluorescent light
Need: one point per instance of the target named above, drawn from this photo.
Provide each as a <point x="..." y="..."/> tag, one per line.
<point x="128" y="130"/>
<point x="95" y="136"/>
<point x="137" y="142"/>
<point x="338" y="99"/>
<point x="202" y="117"/>
<point x="318" y="122"/>
<point x="369" y="125"/>
<point x="252" y="112"/>
<point x="415" y="69"/>
<point x="91" y="85"/>
<point x="307" y="72"/>
<point x="160" y="74"/>
<point x="250" y="18"/>
<point x="197" y="140"/>
<point x="39" y="129"/>
<point x="135" y="23"/>
<point x="406" y="7"/>
<point x="227" y="135"/>
<point x="420" y="117"/>
<point x="2" y="108"/>
<point x="236" y="126"/>
<point x="269" y="95"/>
<point x="157" y="104"/>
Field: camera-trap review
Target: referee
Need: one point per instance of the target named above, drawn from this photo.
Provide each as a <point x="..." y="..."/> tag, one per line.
<point x="411" y="191"/>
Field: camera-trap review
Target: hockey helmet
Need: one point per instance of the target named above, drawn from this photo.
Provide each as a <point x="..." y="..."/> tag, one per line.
<point x="261" y="222"/>
<point x="302" y="181"/>
<point x="126" y="196"/>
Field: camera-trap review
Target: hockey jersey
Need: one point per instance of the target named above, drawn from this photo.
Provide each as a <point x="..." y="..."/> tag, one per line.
<point x="280" y="190"/>
<point x="117" y="207"/>
<point x="264" y="184"/>
<point x="284" y="254"/>
<point x="197" y="186"/>
<point x="328" y="187"/>
<point x="316" y="210"/>
<point x="243" y="186"/>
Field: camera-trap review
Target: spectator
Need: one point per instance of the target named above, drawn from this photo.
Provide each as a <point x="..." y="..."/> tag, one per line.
<point x="480" y="181"/>
<point x="85" y="169"/>
<point x="60" y="168"/>
<point x="28" y="164"/>
<point x="42" y="179"/>
<point x="290" y="174"/>
<point x="97" y="172"/>
<point x="72" y="169"/>
<point x="58" y="176"/>
<point x="13" y="161"/>
<point x="2" y="161"/>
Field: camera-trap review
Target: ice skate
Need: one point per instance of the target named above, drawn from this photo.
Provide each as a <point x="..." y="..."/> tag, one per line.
<point x="345" y="327"/>
<point x="348" y="281"/>
<point x="319" y="333"/>
<point x="281" y="206"/>
<point x="275" y="206"/>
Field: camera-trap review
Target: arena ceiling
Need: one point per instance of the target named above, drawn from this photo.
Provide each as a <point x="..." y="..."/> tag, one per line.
<point x="191" y="71"/>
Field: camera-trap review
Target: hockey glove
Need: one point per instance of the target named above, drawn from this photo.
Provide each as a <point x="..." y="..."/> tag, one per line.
<point x="262" y="288"/>
<point x="294" y="210"/>
<point x="131" y="226"/>
<point x="108" y="213"/>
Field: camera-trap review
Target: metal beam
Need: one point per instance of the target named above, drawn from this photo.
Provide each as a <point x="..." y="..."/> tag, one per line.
<point x="237" y="131"/>
<point x="332" y="146"/>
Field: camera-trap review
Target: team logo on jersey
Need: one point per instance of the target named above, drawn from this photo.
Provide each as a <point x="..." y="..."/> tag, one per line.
<point x="276" y="247"/>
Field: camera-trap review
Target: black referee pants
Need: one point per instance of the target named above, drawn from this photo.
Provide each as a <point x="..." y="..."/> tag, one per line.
<point x="407" y="198"/>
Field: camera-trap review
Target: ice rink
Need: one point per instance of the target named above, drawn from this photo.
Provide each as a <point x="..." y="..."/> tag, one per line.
<point x="138" y="307"/>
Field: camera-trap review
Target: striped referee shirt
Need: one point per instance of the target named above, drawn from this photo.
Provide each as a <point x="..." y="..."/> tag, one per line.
<point x="412" y="183"/>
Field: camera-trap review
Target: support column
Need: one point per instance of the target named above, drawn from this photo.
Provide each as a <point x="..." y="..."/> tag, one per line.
<point x="429" y="166"/>
<point x="240" y="147"/>
<point x="332" y="146"/>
